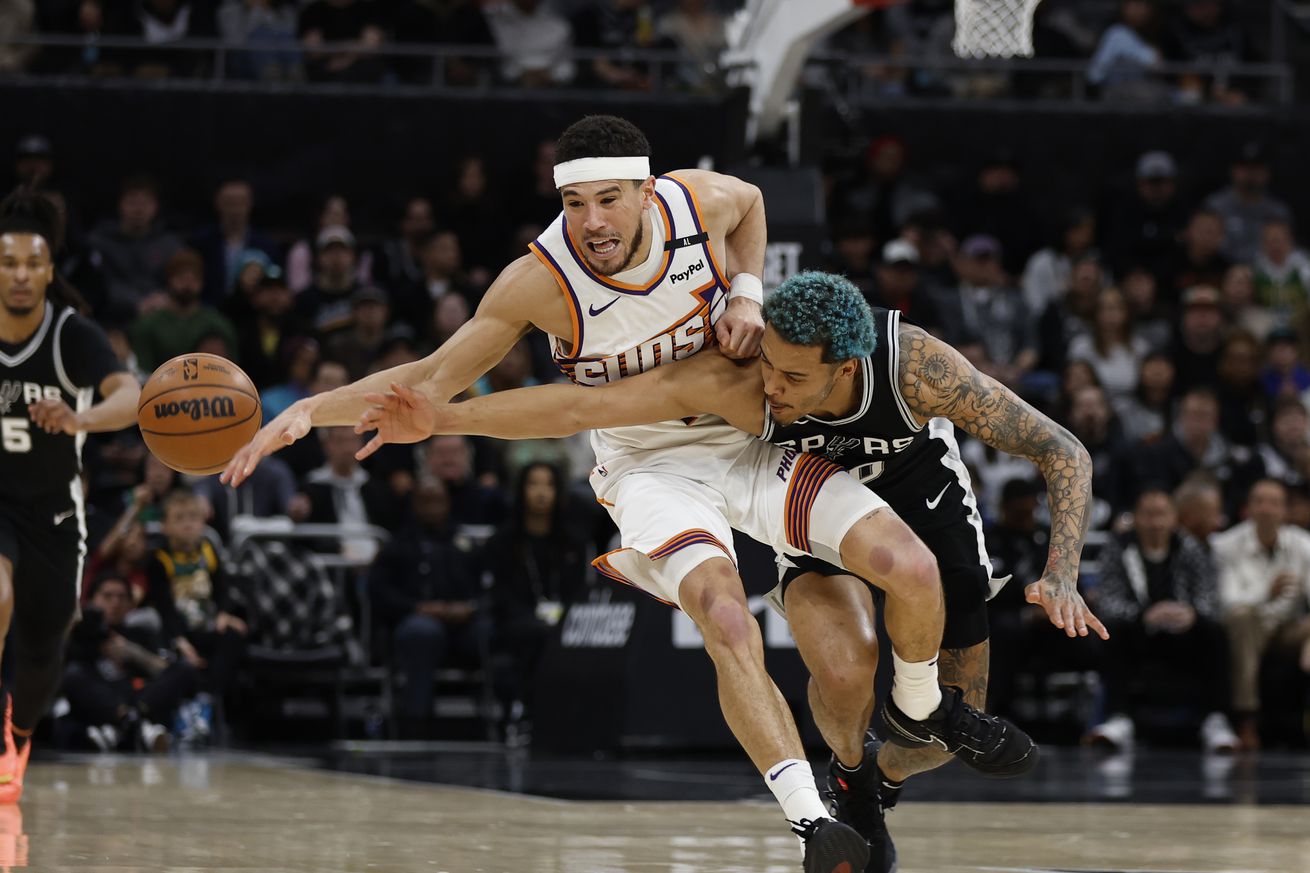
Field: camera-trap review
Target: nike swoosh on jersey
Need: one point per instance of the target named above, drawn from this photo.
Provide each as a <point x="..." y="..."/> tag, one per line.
<point x="932" y="504"/>
<point x="64" y="516"/>
<point x="592" y="310"/>
<point x="775" y="774"/>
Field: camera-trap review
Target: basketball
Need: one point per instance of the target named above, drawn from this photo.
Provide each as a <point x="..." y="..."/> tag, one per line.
<point x="196" y="411"/>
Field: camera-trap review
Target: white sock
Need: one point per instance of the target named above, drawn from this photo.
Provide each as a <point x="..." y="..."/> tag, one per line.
<point x="792" y="783"/>
<point x="914" y="687"/>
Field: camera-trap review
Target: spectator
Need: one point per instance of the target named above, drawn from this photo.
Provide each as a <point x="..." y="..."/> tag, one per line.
<point x="1195" y="443"/>
<point x="1152" y="321"/>
<point x="854" y="254"/>
<point x="1200" y="339"/>
<point x="181" y="323"/>
<point x="334" y="211"/>
<point x="1146" y="224"/>
<point x="300" y="361"/>
<point x="334" y="22"/>
<point x="536" y="570"/>
<point x="1047" y="276"/>
<point x="1158" y="599"/>
<point x="225" y="243"/>
<point x="443" y="273"/>
<point x="1002" y="340"/>
<point x="450" y="459"/>
<point x="269" y="492"/>
<point x="122" y="552"/>
<point x="1242" y="402"/>
<point x="252" y="267"/>
<point x="192" y="594"/>
<point x="402" y="255"/>
<point x="535" y="43"/>
<point x="617" y="27"/>
<point x="448" y="316"/>
<point x="1264" y="580"/>
<point x="927" y="232"/>
<point x="1147" y="414"/>
<point x="1126" y="55"/>
<point x="1282" y="273"/>
<point x="1246" y="206"/>
<point x="699" y="33"/>
<point x="998" y="207"/>
<point x="326" y="303"/>
<point x="1201" y="34"/>
<point x="472" y="208"/>
<point x="1285" y="374"/>
<point x="1113" y="348"/>
<point x="898" y="288"/>
<point x="303" y="456"/>
<point x="117" y="683"/>
<point x="1240" y="306"/>
<point x="358" y="346"/>
<point x="342" y="492"/>
<point x="1071" y="317"/>
<point x="536" y="199"/>
<point x="259" y="21"/>
<point x="886" y="194"/>
<point x="159" y="22"/>
<point x="1199" y="258"/>
<point x="16" y="18"/>
<point x="462" y="23"/>
<point x="1200" y="504"/>
<point x="132" y="252"/>
<point x="425" y="589"/>
<point x="1091" y="419"/>
<point x="263" y="335"/>
<point x="1285" y="457"/>
<point x="34" y="161"/>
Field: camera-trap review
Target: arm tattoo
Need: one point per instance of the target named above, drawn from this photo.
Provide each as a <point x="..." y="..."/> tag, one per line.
<point x="936" y="380"/>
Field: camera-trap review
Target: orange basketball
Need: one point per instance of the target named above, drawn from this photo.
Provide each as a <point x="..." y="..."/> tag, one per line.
<point x="196" y="411"/>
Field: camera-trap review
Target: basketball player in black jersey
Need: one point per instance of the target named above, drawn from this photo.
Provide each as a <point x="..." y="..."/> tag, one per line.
<point x="889" y="418"/>
<point x="52" y="364"/>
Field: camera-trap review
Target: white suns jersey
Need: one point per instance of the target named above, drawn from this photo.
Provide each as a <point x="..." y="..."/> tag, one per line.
<point x="621" y="329"/>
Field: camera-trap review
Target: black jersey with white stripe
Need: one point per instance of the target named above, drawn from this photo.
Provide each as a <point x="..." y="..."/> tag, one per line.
<point x="65" y="359"/>
<point x="881" y="442"/>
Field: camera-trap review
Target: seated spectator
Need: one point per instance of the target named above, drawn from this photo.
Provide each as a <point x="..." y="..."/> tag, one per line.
<point x="266" y="332"/>
<point x="617" y="27"/>
<point x="1144" y="225"/>
<point x="448" y="315"/>
<point x="401" y="259"/>
<point x="1282" y="273"/>
<point x="334" y="211"/>
<point x="1048" y="274"/>
<point x="1240" y="306"/>
<point x="325" y="304"/>
<point x="885" y="194"/>
<point x="537" y="570"/>
<point x="16" y="20"/>
<point x="1285" y="374"/>
<point x="132" y="252"/>
<point x="352" y="22"/>
<point x="1126" y="55"/>
<point x="1200" y="504"/>
<point x="1152" y="321"/>
<point x="854" y="254"/>
<point x="926" y="230"/>
<point x="898" y="287"/>
<point x="1147" y="415"/>
<point x="698" y="31"/>
<point x="1201" y="33"/>
<point x="342" y="492"/>
<point x="1285" y="457"/>
<point x="269" y="22"/>
<point x="1159" y="601"/>
<point x="450" y="459"/>
<point x="425" y="589"/>
<point x="442" y="272"/>
<point x="1070" y="317"/>
<point x="1197" y="258"/>
<point x="1199" y="344"/>
<point x="1092" y="421"/>
<point x="1113" y="348"/>
<point x="534" y="42"/>
<point x="228" y="240"/>
<point x="122" y="553"/>
<point x="998" y="207"/>
<point x="192" y="594"/>
<point x="357" y="346"/>
<point x="477" y="215"/>
<point x="118" y="682"/>
<point x="1246" y="205"/>
<point x="303" y="456"/>
<point x="159" y="22"/>
<point x="1002" y="340"/>
<point x="1243" y="409"/>
<point x="299" y="363"/>
<point x="183" y="321"/>
<point x="1264" y="580"/>
<point x="269" y="492"/>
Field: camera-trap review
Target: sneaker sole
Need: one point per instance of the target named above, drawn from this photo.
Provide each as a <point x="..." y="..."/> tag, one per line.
<point x="1014" y="769"/>
<point x="843" y="850"/>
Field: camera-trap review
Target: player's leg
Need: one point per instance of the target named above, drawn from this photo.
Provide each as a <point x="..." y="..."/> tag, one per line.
<point x="8" y="564"/>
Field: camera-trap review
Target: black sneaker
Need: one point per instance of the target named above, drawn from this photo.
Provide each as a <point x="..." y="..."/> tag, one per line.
<point x="858" y="804"/>
<point x="989" y="744"/>
<point x="831" y="847"/>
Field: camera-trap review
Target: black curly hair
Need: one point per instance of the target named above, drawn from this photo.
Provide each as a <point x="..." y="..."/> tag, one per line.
<point x="28" y="210"/>
<point x="601" y="136"/>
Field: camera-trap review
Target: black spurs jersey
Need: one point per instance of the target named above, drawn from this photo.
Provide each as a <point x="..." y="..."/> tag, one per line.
<point x="910" y="465"/>
<point x="66" y="359"/>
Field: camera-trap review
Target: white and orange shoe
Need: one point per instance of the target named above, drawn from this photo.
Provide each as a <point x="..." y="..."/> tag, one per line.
<point x="12" y="791"/>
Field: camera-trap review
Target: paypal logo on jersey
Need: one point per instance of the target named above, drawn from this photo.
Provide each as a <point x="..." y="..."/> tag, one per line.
<point x="686" y="274"/>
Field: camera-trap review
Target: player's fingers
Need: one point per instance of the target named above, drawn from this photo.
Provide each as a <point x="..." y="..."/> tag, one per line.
<point x="1095" y="624"/>
<point x="370" y="447"/>
<point x="375" y="398"/>
<point x="405" y="393"/>
<point x="723" y="335"/>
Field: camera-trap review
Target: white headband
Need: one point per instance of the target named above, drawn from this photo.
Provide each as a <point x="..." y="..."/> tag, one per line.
<point x="600" y="169"/>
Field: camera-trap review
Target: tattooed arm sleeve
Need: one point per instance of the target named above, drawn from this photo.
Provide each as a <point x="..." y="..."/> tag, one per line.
<point x="936" y="380"/>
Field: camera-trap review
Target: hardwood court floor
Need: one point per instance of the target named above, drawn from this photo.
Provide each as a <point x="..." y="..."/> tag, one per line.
<point x="228" y="813"/>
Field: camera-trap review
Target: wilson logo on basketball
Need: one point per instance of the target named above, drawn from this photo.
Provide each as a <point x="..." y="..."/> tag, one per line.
<point x="203" y="407"/>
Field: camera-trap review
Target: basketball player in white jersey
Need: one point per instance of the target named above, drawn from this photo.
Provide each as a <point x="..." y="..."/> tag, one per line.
<point x="630" y="277"/>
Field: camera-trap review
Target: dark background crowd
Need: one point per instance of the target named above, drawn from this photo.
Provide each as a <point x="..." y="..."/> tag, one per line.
<point x="1161" y="315"/>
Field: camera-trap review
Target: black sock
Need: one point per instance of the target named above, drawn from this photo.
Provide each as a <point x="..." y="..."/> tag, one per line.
<point x="889" y="790"/>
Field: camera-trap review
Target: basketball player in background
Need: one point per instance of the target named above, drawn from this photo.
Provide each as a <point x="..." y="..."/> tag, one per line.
<point x="52" y="364"/>
<point x="627" y="279"/>
<point x="889" y="418"/>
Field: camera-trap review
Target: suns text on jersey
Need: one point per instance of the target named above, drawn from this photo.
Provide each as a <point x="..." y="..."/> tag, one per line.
<point x="685" y="340"/>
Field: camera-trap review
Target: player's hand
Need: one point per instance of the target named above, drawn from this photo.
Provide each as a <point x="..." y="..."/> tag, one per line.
<point x="53" y="416"/>
<point x="189" y="653"/>
<point x="403" y="416"/>
<point x="740" y="328"/>
<point x="1065" y="606"/>
<point x="225" y="620"/>
<point x="293" y="424"/>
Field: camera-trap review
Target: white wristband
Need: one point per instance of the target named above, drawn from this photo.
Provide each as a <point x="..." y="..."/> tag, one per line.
<point x="748" y="286"/>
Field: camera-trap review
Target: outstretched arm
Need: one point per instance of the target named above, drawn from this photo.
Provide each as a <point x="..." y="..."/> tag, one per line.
<point x="936" y="380"/>
<point x="116" y="411"/>
<point x="706" y="384"/>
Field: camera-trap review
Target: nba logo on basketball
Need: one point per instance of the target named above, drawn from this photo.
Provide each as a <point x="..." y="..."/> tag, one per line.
<point x="190" y="369"/>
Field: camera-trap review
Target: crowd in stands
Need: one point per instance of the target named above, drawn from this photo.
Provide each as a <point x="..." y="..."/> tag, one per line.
<point x="1166" y="327"/>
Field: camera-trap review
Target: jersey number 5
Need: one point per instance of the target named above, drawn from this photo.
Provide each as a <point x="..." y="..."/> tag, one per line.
<point x="14" y="435"/>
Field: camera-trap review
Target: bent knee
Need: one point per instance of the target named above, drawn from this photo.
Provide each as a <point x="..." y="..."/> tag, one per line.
<point x="728" y="624"/>
<point x="845" y="681"/>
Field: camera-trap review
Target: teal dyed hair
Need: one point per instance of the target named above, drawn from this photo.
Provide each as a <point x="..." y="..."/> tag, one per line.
<point x="823" y="309"/>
